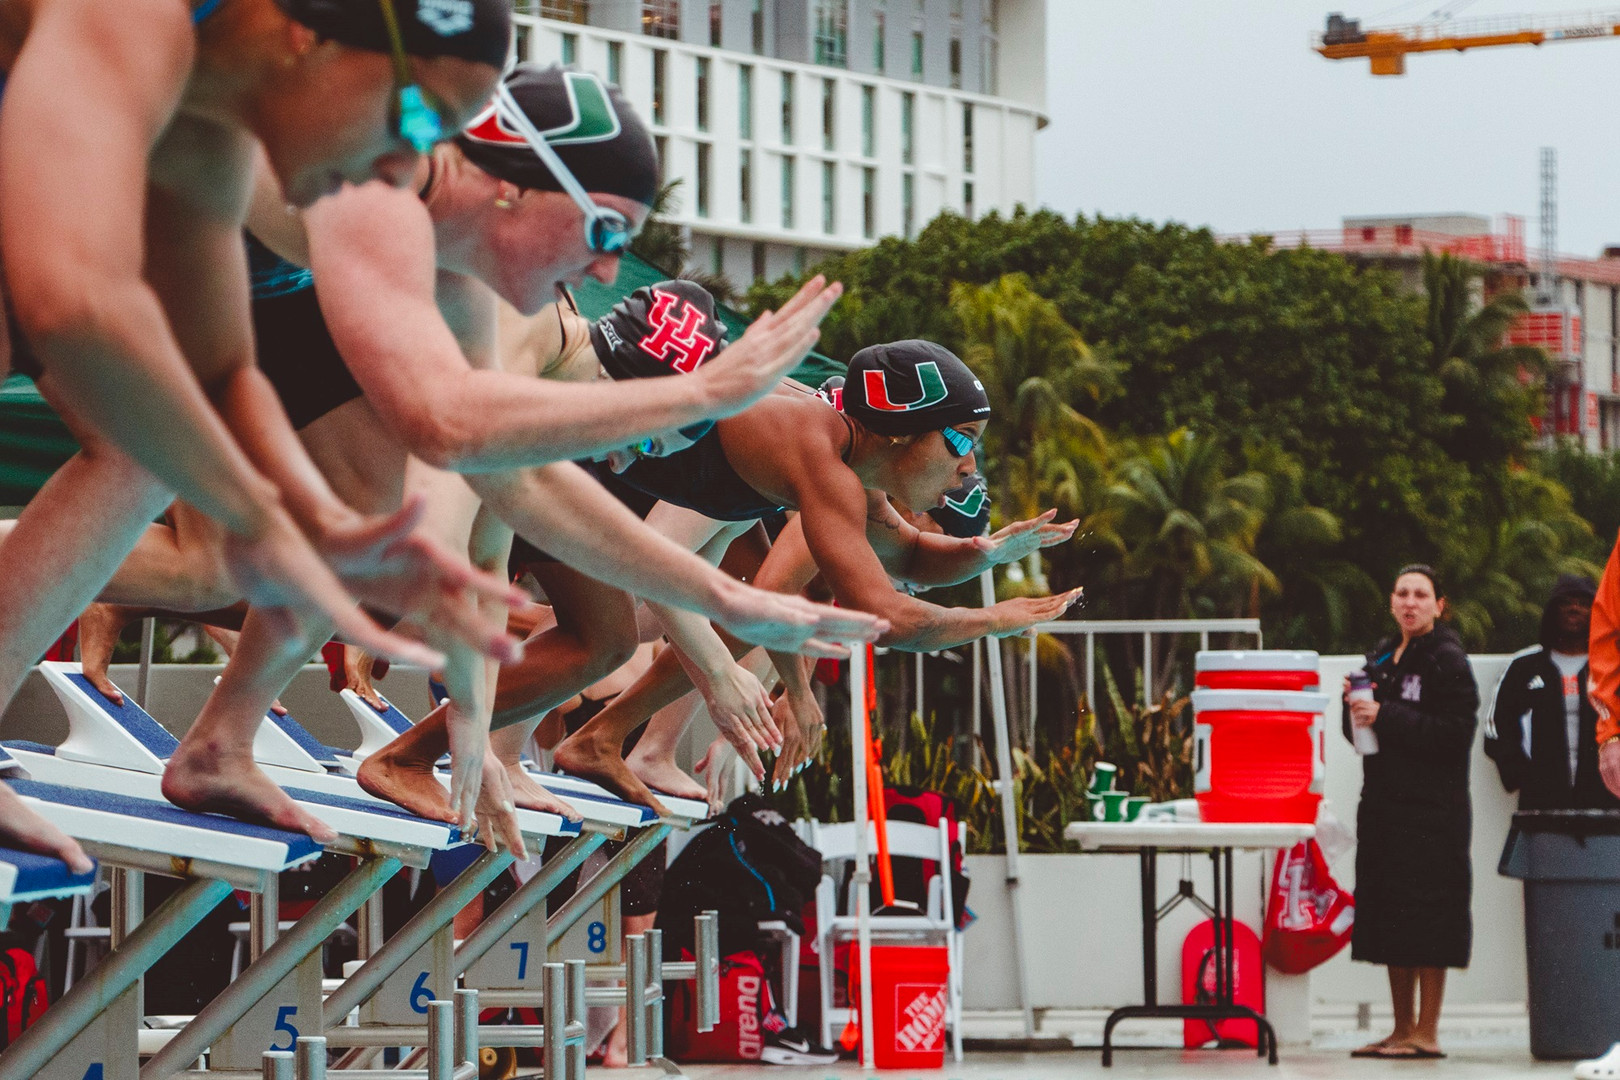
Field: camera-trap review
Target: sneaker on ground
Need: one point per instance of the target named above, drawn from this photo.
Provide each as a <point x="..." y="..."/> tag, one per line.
<point x="791" y="1046"/>
<point x="1606" y="1067"/>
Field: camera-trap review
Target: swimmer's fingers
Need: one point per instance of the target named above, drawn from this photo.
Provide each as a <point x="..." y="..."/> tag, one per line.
<point x="455" y="572"/>
<point x="356" y="627"/>
<point x="744" y="745"/>
<point x="278" y="708"/>
<point x="844" y="625"/>
<point x="766" y="734"/>
<point x="809" y="294"/>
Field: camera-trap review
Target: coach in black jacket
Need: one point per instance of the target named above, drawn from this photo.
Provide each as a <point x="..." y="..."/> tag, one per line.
<point x="1529" y="732"/>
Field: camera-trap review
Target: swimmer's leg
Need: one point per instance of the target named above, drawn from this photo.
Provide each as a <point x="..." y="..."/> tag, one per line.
<point x="213" y="767"/>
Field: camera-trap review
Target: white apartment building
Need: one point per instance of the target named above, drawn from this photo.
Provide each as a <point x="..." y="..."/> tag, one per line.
<point x="804" y="127"/>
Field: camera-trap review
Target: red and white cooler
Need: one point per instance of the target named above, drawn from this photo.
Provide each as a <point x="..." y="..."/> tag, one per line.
<point x="1259" y="755"/>
<point x="1257" y="669"/>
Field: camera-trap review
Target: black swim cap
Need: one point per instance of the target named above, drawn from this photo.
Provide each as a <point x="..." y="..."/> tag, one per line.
<point x="665" y="329"/>
<point x="476" y="30"/>
<point x="590" y="125"/>
<point x="909" y="387"/>
<point x="966" y="512"/>
<point x="832" y="391"/>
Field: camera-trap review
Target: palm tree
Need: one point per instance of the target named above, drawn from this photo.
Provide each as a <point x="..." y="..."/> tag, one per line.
<point x="665" y="245"/>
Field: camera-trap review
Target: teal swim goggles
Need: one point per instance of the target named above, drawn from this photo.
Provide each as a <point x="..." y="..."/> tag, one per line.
<point x="413" y="114"/>
<point x="607" y="232"/>
<point x="960" y="443"/>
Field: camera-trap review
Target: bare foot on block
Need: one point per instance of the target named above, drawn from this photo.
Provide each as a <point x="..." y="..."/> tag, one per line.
<point x="402" y="772"/>
<point x="661" y="774"/>
<point x="99" y="627"/>
<point x="596" y="760"/>
<point x="530" y="795"/>
<point x="209" y="779"/>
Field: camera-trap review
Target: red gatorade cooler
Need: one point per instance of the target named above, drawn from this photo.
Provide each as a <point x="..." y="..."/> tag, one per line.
<point x="909" y="1006"/>
<point x="1258" y="755"/>
<point x="1256" y="669"/>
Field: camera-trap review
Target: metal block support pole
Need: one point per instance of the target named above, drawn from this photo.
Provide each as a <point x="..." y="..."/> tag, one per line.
<point x="859" y="745"/>
<point x="441" y="1040"/>
<point x="467" y="1045"/>
<point x="708" y="970"/>
<point x="278" y="960"/>
<point x="528" y="896"/>
<point x="592" y="891"/>
<point x="413" y="935"/>
<point x="143" y="676"/>
<point x="655" y="984"/>
<point x="574" y="1031"/>
<point x="554" y="1014"/>
<point x="265" y="925"/>
<point x="311" y="1057"/>
<point x="635" y="1001"/>
<point x="94" y="992"/>
<point x="278" y="1065"/>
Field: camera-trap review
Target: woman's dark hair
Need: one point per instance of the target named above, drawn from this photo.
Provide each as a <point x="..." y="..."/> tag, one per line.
<point x="1427" y="571"/>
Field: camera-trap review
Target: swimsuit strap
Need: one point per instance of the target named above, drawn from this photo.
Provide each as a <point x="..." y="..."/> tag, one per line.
<point x="207" y="8"/>
<point x="850" y="449"/>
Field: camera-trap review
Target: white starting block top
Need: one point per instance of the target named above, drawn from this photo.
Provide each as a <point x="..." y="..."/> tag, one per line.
<point x="26" y="877"/>
<point x="1193" y="835"/>
<point x="141" y="834"/>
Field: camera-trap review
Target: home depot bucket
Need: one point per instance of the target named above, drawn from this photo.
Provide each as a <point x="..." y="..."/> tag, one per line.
<point x="909" y="1005"/>
<point x="1258" y="755"/>
<point x="1256" y="669"/>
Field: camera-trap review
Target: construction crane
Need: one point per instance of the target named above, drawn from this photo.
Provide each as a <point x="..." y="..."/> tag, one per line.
<point x="1386" y="47"/>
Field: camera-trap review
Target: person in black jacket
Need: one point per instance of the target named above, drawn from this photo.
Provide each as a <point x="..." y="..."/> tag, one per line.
<point x="1541" y="732"/>
<point x="1414" y="879"/>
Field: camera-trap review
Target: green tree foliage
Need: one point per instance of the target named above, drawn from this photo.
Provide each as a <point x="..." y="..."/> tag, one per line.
<point x="1243" y="429"/>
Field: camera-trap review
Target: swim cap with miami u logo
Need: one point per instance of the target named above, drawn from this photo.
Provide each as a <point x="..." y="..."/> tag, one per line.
<point x="587" y="122"/>
<point x="909" y="387"/>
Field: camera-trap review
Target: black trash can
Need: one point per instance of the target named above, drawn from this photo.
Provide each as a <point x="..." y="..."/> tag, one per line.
<point x="1569" y="861"/>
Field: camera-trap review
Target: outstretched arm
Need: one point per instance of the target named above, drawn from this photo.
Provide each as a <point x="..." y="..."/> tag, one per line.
<point x="372" y="250"/>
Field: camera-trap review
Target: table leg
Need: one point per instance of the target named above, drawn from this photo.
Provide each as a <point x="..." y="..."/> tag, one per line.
<point x="1150" y="926"/>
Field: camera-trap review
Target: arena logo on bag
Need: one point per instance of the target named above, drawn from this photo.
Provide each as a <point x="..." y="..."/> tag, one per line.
<point x="749" y="1041"/>
<point x="677" y="336"/>
<point x="1412" y="688"/>
<point x="919" y="1016"/>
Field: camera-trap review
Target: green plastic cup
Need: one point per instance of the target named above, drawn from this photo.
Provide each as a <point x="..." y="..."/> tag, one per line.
<point x="1114" y="805"/>
<point x="1134" y="806"/>
<point x="1103" y="777"/>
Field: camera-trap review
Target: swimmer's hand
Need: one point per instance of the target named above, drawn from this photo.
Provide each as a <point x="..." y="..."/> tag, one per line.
<point x="802" y="727"/>
<point x="714" y="767"/>
<point x="1015" y="616"/>
<point x="773" y="345"/>
<point x="468" y="731"/>
<point x="1022" y="538"/>
<point x="496" y="822"/>
<point x="391" y="564"/>
<point x="785" y="623"/>
<point x="740" y="710"/>
<point x="277" y="568"/>
<point x="21" y="827"/>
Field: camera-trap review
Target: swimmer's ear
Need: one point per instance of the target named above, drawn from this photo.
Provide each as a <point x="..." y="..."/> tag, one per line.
<point x="301" y="40"/>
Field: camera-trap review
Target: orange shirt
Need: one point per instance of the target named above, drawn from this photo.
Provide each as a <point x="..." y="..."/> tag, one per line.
<point x="1603" y="680"/>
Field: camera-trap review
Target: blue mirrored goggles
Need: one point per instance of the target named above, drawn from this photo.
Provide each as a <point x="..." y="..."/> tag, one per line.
<point x="412" y="114"/>
<point x="961" y="444"/>
<point x="691" y="433"/>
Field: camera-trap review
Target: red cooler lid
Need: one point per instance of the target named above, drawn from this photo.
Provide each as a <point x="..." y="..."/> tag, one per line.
<point x="1294" y="701"/>
<point x="1257" y="660"/>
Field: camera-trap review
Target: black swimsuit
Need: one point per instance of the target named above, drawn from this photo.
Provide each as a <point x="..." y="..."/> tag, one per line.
<point x="296" y="351"/>
<point x="698" y="478"/>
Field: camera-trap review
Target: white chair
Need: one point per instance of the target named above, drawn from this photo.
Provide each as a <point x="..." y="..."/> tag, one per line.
<point x="936" y="923"/>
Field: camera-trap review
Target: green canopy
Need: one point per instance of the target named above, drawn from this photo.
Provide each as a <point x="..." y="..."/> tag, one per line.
<point x="34" y="441"/>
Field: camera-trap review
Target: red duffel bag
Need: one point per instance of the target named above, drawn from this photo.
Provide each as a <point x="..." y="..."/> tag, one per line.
<point x="1309" y="916"/>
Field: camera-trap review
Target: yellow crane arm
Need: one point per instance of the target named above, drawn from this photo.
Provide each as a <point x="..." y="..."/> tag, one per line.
<point x="1386" y="47"/>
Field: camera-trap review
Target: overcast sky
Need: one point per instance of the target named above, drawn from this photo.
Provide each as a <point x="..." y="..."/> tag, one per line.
<point x="1216" y="112"/>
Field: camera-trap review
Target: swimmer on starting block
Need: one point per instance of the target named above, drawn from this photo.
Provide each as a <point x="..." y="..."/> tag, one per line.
<point x="126" y="282"/>
<point x="407" y="284"/>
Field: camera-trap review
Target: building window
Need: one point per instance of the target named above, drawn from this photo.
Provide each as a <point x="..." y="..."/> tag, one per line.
<point x="661" y="18"/>
<point x="908" y="106"/>
<point x="745" y="101"/>
<point x="988" y="48"/>
<point x="879" y="21"/>
<point x="716" y="8"/>
<point x="908" y="198"/>
<point x="967" y="138"/>
<point x="787" y="107"/>
<point x="660" y="60"/>
<point x="868" y="121"/>
<point x="832" y="32"/>
<point x="616" y="63"/>
<point x="569" y="11"/>
<point x="967" y="200"/>
<point x="787" y="191"/>
<point x="570" y="49"/>
<point x="956" y="63"/>
<point x="745" y="185"/>
<point x="703" y="151"/>
<point x="661" y="144"/>
<point x="520" y="41"/>
<point x="829" y="197"/>
<point x="916" y="54"/>
<point x="869" y="202"/>
<point x="757" y="24"/>
<point x="759" y="261"/>
<point x="829" y="115"/>
<point x="703" y="93"/>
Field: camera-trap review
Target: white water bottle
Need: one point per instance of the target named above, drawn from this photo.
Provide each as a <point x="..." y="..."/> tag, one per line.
<point x="1364" y="739"/>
